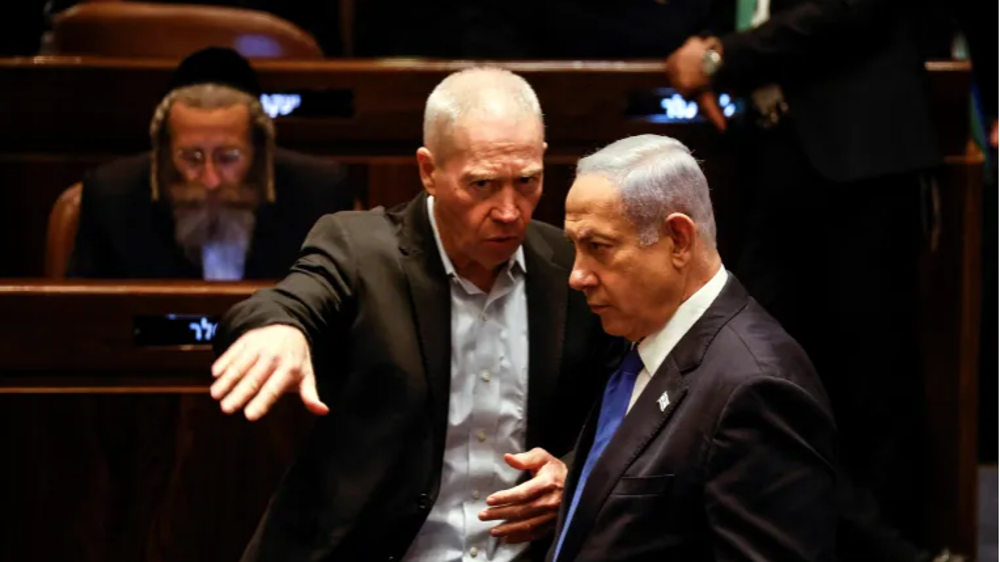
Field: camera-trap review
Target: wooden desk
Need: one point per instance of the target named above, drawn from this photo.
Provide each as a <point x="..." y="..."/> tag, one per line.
<point x="116" y="452"/>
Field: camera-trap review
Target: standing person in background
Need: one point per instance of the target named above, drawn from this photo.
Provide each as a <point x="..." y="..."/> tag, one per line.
<point x="836" y="153"/>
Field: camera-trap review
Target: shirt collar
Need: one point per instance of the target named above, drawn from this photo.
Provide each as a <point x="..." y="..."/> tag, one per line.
<point x="654" y="348"/>
<point x="449" y="268"/>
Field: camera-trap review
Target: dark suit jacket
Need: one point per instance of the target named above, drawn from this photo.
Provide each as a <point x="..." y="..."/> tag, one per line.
<point x="852" y="74"/>
<point x="371" y="295"/>
<point x="739" y="466"/>
<point x="123" y="234"/>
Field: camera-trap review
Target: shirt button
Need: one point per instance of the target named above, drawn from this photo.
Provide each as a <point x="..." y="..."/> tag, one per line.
<point x="481" y="435"/>
<point x="486" y="376"/>
<point x="475" y="494"/>
<point x="423" y="502"/>
<point x="473" y="552"/>
<point x="483" y="316"/>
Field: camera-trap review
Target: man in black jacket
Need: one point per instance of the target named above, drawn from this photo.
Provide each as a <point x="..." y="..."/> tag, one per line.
<point x="214" y="199"/>
<point x="440" y="343"/>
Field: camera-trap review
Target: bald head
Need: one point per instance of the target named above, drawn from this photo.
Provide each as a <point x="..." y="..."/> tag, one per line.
<point x="476" y="95"/>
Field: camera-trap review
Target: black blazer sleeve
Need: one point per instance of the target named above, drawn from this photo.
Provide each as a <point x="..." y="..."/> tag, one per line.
<point x="771" y="477"/>
<point x="317" y="294"/>
<point x="92" y="255"/>
<point x="802" y="39"/>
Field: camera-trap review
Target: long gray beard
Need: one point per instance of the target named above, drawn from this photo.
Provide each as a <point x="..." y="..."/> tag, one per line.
<point x="223" y="227"/>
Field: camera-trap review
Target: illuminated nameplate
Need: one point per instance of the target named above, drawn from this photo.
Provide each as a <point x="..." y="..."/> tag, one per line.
<point x="174" y="330"/>
<point x="309" y="103"/>
<point x="665" y="105"/>
<point x="279" y="105"/>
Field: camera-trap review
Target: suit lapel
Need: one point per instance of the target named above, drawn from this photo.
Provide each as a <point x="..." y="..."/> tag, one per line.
<point x="546" y="287"/>
<point x="430" y="296"/>
<point x="647" y="417"/>
<point x="643" y="422"/>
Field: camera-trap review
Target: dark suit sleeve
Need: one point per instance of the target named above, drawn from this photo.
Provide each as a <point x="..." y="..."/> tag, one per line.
<point x="92" y="256"/>
<point x="316" y="295"/>
<point x="807" y="37"/>
<point x="770" y="492"/>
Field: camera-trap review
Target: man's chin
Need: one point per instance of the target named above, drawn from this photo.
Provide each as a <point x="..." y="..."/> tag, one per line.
<point x="611" y="325"/>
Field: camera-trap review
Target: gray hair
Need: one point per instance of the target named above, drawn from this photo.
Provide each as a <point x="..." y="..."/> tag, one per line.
<point x="479" y="92"/>
<point x="656" y="176"/>
<point x="212" y="96"/>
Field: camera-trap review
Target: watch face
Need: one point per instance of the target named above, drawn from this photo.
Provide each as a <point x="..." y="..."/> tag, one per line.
<point x="710" y="62"/>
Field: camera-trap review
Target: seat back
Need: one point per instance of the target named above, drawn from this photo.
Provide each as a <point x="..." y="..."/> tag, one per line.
<point x="63" y="222"/>
<point x="149" y="30"/>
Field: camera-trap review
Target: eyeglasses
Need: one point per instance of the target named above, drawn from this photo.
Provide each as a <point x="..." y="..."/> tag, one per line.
<point x="194" y="158"/>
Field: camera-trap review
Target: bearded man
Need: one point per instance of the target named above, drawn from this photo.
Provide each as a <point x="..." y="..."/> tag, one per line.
<point x="214" y="199"/>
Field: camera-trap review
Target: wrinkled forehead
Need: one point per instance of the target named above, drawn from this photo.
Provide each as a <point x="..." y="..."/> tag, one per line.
<point x="192" y="123"/>
<point x="499" y="146"/>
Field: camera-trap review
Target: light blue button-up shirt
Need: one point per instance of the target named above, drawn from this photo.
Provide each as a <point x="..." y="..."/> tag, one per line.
<point x="487" y="414"/>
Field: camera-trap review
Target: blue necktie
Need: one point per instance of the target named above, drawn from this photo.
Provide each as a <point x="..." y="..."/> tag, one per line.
<point x="614" y="405"/>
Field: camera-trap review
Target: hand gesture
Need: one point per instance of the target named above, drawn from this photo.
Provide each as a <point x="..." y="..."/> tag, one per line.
<point x="260" y="366"/>
<point x="529" y="510"/>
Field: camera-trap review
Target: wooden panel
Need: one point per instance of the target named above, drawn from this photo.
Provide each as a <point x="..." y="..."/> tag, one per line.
<point x="57" y="108"/>
<point x="64" y="330"/>
<point x="949" y="320"/>
<point x="116" y="452"/>
<point x="129" y="477"/>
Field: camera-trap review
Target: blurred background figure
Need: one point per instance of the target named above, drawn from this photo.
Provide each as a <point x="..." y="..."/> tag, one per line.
<point x="215" y="199"/>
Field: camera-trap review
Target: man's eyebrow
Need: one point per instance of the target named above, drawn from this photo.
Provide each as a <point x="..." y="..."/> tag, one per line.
<point x="584" y="233"/>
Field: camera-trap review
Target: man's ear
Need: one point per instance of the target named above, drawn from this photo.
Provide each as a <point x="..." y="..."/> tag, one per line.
<point x="425" y="162"/>
<point x="683" y="233"/>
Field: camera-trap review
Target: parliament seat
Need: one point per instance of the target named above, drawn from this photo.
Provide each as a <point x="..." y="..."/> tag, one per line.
<point x="63" y="221"/>
<point x="150" y="30"/>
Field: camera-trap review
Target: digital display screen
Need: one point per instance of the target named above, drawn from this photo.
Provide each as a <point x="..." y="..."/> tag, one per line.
<point x="174" y="330"/>
<point x="665" y="105"/>
<point x="309" y="103"/>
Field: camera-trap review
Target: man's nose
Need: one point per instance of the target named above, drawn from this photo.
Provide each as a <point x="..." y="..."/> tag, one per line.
<point x="507" y="210"/>
<point x="210" y="177"/>
<point x="580" y="279"/>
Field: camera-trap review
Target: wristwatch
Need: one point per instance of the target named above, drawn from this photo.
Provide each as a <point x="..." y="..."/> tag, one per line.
<point x="711" y="61"/>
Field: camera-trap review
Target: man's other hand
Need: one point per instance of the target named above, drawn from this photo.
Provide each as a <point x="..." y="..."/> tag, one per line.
<point x="529" y="510"/>
<point x="260" y="366"/>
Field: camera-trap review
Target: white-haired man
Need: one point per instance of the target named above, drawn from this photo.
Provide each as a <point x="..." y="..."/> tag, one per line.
<point x="714" y="439"/>
<point x="442" y="334"/>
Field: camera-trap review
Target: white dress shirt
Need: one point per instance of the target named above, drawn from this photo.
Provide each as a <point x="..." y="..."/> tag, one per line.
<point x="654" y="348"/>
<point x="761" y="13"/>
<point x="487" y="414"/>
<point x="223" y="260"/>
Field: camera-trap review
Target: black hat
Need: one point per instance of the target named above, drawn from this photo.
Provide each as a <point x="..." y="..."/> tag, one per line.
<point x="218" y="65"/>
